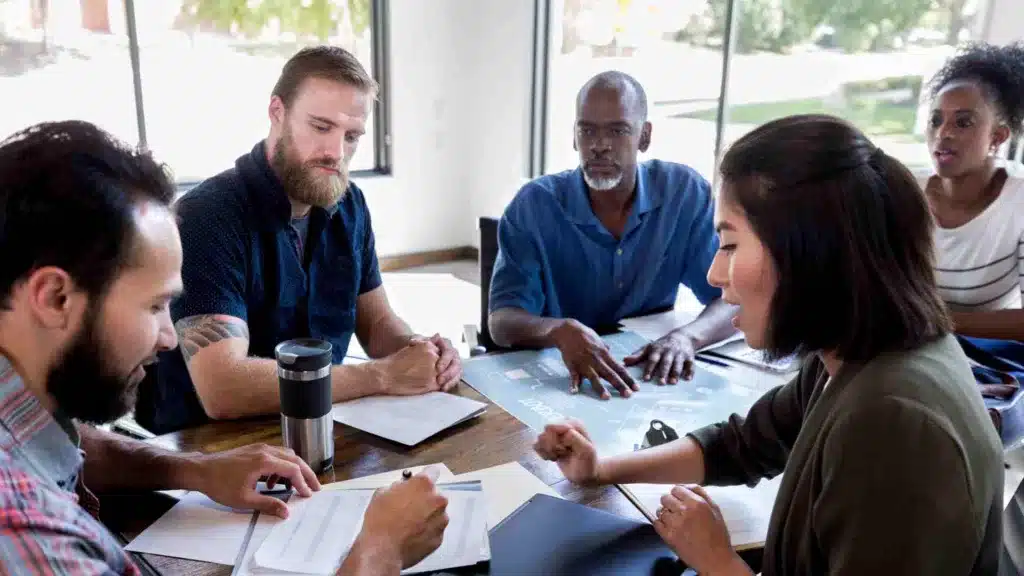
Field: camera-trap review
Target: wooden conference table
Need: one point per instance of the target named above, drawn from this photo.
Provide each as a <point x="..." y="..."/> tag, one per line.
<point x="494" y="438"/>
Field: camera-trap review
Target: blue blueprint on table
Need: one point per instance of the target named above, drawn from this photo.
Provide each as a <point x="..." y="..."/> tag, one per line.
<point x="533" y="386"/>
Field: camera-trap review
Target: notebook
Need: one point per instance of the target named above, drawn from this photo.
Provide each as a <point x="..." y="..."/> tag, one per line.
<point x="553" y="536"/>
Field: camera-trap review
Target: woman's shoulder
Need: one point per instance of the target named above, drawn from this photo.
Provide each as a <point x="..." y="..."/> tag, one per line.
<point x="934" y="373"/>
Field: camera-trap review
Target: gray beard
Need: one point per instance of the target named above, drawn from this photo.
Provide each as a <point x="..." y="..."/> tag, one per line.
<point x="602" y="184"/>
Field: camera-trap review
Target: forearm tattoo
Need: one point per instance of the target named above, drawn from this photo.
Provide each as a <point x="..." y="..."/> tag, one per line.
<point x="197" y="332"/>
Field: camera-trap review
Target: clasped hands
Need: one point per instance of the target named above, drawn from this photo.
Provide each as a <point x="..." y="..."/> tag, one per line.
<point x="424" y="365"/>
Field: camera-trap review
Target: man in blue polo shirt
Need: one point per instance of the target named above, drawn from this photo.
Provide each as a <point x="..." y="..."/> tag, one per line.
<point x="280" y="247"/>
<point x="583" y="249"/>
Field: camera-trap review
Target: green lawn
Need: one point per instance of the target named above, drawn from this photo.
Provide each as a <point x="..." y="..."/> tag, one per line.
<point x="874" y="117"/>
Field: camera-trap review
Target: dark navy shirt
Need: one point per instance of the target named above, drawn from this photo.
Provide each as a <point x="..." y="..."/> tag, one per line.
<point x="240" y="259"/>
<point x="556" y="259"/>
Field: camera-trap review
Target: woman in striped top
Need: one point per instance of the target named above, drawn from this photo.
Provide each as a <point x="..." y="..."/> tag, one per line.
<point x="977" y="200"/>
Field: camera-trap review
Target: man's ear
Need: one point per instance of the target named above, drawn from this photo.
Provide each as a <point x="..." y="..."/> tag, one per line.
<point x="645" y="136"/>
<point x="276" y="111"/>
<point x="52" y="297"/>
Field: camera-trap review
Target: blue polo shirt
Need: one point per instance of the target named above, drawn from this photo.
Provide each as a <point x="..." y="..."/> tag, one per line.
<point x="556" y="259"/>
<point x="241" y="258"/>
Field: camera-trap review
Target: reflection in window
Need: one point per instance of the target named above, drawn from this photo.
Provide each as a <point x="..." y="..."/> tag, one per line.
<point x="208" y="67"/>
<point x="62" y="60"/>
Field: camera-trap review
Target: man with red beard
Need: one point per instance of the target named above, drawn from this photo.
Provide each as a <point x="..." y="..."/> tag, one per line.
<point x="89" y="261"/>
<point x="280" y="247"/>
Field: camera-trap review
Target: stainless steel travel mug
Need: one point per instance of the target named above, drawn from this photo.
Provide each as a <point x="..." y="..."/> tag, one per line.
<point x="304" y="378"/>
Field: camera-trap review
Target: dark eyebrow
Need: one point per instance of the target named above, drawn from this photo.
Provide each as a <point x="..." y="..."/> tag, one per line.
<point x="724" y="226"/>
<point x="969" y="111"/>
<point x="615" y="124"/>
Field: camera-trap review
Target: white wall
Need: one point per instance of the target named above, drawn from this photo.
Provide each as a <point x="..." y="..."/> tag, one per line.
<point x="1002" y="21"/>
<point x="460" y="96"/>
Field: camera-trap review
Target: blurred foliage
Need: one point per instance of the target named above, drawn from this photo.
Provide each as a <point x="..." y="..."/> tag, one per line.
<point x="304" y="18"/>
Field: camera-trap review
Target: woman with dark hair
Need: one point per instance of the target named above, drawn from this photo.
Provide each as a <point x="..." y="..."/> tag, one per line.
<point x="976" y="198"/>
<point x="891" y="463"/>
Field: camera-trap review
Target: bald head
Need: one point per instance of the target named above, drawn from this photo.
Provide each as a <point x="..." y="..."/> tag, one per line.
<point x="629" y="91"/>
<point x="611" y="130"/>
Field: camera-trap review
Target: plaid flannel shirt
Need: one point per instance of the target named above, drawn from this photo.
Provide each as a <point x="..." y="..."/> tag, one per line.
<point x="48" y="519"/>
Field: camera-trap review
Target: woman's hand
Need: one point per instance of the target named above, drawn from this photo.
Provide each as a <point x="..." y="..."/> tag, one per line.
<point x="570" y="447"/>
<point x="692" y="525"/>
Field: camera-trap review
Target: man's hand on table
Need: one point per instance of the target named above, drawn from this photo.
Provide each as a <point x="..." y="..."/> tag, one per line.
<point x="588" y="357"/>
<point x="425" y="365"/>
<point x="230" y="477"/>
<point x="448" y="366"/>
<point x="666" y="359"/>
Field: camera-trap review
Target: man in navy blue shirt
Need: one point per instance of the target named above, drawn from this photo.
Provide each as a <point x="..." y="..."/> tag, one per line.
<point x="279" y="247"/>
<point x="583" y="249"/>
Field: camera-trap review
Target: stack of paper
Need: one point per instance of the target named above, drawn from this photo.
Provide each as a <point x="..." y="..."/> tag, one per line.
<point x="506" y="487"/>
<point x="197" y="528"/>
<point x="320" y="530"/>
<point x="407" y="420"/>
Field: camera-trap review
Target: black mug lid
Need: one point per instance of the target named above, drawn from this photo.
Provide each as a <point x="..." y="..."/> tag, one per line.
<point x="303" y="354"/>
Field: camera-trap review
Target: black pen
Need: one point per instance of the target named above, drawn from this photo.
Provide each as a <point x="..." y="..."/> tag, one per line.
<point x="712" y="362"/>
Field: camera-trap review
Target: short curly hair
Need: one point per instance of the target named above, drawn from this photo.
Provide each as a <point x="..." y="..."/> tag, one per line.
<point x="67" y="190"/>
<point x="997" y="70"/>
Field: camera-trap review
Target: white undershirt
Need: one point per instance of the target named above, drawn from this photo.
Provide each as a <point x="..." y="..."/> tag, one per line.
<point x="980" y="265"/>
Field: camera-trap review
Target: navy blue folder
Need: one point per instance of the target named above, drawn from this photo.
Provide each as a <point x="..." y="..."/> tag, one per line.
<point x="549" y="535"/>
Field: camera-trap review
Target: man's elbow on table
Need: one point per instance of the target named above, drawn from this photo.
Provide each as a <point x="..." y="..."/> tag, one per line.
<point x="497" y="325"/>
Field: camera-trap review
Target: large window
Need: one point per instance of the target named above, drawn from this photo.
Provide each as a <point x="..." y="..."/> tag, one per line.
<point x="64" y="60"/>
<point x="866" y="61"/>
<point x="638" y="37"/>
<point x="205" y="69"/>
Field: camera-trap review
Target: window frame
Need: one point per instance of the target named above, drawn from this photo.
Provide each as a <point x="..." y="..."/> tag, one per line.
<point x="546" y="18"/>
<point x="380" y="57"/>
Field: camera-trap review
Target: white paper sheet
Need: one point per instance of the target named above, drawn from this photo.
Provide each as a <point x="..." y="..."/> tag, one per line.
<point x="317" y="534"/>
<point x="465" y="539"/>
<point x="506" y="488"/>
<point x="247" y="567"/>
<point x="408" y="420"/>
<point x="746" y="510"/>
<point x="196" y="528"/>
<point x="385" y="479"/>
<point x="736" y="348"/>
<point x="320" y="530"/>
<point x="655" y="326"/>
